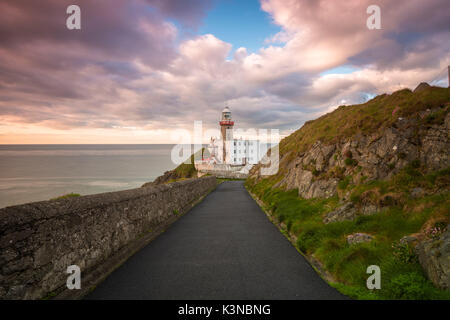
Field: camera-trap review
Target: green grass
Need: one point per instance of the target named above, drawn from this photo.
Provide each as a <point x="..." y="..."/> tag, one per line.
<point x="368" y="117"/>
<point x="67" y="196"/>
<point x="401" y="275"/>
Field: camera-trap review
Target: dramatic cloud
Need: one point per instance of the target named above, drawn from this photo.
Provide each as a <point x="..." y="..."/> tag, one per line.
<point x="137" y="70"/>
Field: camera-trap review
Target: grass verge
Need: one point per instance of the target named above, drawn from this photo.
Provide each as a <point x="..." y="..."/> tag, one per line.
<point x="401" y="274"/>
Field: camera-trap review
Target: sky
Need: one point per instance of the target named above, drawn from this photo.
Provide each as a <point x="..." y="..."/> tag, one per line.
<point x="142" y="71"/>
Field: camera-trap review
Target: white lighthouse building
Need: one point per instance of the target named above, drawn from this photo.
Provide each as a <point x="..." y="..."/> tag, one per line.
<point x="228" y="156"/>
<point x="233" y="151"/>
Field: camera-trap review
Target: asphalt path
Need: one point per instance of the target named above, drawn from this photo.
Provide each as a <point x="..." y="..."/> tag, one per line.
<point x="223" y="248"/>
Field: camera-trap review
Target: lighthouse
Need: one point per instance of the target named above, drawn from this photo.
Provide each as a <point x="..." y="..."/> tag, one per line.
<point x="226" y="129"/>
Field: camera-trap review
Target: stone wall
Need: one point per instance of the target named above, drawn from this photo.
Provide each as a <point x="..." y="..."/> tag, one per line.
<point x="38" y="241"/>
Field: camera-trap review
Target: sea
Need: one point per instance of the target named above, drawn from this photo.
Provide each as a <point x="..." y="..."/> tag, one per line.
<point x="31" y="173"/>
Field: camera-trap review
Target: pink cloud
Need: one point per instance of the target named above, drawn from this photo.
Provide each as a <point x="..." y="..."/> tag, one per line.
<point x="129" y="67"/>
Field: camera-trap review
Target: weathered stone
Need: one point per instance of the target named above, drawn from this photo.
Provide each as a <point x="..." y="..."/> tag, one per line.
<point x="359" y="238"/>
<point x="417" y="193"/>
<point x="408" y="239"/>
<point x="15" y="291"/>
<point x="8" y="255"/>
<point x="345" y="212"/>
<point x="434" y="256"/>
<point x="369" y="209"/>
<point x="378" y="156"/>
<point x="17" y="265"/>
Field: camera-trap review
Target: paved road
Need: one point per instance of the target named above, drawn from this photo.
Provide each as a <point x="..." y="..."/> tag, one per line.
<point x="224" y="248"/>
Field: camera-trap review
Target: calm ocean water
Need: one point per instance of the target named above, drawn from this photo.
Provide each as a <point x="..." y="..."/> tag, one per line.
<point x="41" y="172"/>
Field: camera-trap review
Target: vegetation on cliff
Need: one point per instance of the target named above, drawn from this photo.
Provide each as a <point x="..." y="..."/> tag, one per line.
<point x="370" y="118"/>
<point x="182" y="172"/>
<point x="409" y="205"/>
<point x="346" y="262"/>
<point x="67" y="196"/>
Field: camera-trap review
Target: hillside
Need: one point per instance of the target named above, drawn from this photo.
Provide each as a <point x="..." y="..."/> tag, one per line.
<point x="182" y="172"/>
<point x="369" y="184"/>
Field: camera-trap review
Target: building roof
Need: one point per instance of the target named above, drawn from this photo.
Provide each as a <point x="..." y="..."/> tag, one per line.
<point x="226" y="109"/>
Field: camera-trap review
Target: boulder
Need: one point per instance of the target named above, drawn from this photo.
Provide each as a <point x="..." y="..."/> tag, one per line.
<point x="345" y="212"/>
<point x="408" y="239"/>
<point x="369" y="209"/>
<point x="358" y="238"/>
<point x="434" y="256"/>
<point x="417" y="193"/>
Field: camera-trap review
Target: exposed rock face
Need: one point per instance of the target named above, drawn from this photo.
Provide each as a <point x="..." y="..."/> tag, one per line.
<point x="346" y="212"/>
<point x="417" y="193"/>
<point x="168" y="176"/>
<point x="316" y="173"/>
<point x="408" y="239"/>
<point x="369" y="209"/>
<point x="350" y="211"/>
<point x="434" y="256"/>
<point x="359" y="238"/>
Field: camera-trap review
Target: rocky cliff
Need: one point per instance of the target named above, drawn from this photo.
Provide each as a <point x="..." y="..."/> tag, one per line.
<point x="381" y="167"/>
<point x="366" y="142"/>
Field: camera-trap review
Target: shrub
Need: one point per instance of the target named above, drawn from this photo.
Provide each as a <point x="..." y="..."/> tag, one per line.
<point x="415" y="164"/>
<point x="404" y="252"/>
<point x="309" y="239"/>
<point x="343" y="184"/>
<point x="350" y="162"/>
<point x="355" y="197"/>
<point x="409" y="286"/>
<point x="436" y="230"/>
<point x="67" y="196"/>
